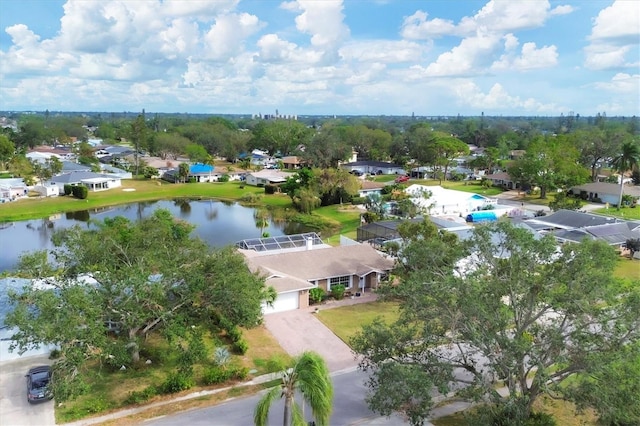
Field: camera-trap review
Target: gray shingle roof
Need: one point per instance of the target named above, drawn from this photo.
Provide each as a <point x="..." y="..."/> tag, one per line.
<point x="570" y="219"/>
<point x="74" y="177"/>
<point x="321" y="263"/>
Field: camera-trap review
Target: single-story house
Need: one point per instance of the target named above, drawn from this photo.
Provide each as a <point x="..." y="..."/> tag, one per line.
<point x="569" y="219"/>
<point x="614" y="234"/>
<point x="267" y="177"/>
<point x="441" y="201"/>
<point x="233" y="174"/>
<point x="43" y="152"/>
<point x="93" y="181"/>
<point x="374" y="167"/>
<point x="114" y="171"/>
<point x="197" y="172"/>
<point x="369" y="187"/>
<point x="377" y="233"/>
<point x="70" y="166"/>
<point x="293" y="272"/>
<point x="257" y="157"/>
<point x="292" y="162"/>
<point x="12" y="188"/>
<point x="574" y="226"/>
<point x="602" y="192"/>
<point x="41" y="157"/>
<point x="47" y="189"/>
<point x="503" y="180"/>
<point x="201" y="172"/>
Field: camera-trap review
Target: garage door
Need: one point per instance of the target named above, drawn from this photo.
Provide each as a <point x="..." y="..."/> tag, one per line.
<point x="284" y="302"/>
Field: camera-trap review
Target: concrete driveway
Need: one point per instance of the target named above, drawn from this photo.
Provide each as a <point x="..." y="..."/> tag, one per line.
<point x="14" y="408"/>
<point x="298" y="331"/>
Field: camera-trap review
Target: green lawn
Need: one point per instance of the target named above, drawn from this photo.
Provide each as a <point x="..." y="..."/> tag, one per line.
<point x="347" y="320"/>
<point x="133" y="191"/>
<point x="346" y="218"/>
<point x="624" y="213"/>
<point x="628" y="268"/>
<point x="563" y="412"/>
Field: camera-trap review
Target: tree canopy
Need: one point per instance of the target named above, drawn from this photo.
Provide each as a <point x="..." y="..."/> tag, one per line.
<point x="501" y="309"/>
<point x="107" y="287"/>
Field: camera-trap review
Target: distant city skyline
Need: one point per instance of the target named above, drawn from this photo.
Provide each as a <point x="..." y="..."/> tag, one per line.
<point x="311" y="57"/>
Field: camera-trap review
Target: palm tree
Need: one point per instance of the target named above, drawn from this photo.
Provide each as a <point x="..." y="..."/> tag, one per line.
<point x="628" y="159"/>
<point x="310" y="376"/>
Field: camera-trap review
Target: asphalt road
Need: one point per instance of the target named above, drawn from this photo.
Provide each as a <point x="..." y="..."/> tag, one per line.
<point x="349" y="408"/>
<point x="14" y="408"/>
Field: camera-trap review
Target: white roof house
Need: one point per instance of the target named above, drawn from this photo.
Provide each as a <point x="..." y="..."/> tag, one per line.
<point x="267" y="176"/>
<point x="447" y="201"/>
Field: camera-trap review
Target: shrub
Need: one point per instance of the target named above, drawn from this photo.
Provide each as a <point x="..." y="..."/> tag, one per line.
<point x="215" y="375"/>
<point x="177" y="382"/>
<point x="80" y="191"/>
<point x="250" y="197"/>
<point x="239" y="373"/>
<point x="240" y="347"/>
<point x="510" y="415"/>
<point x="67" y="189"/>
<point x="387" y="189"/>
<point x="137" y="397"/>
<point x="270" y="189"/>
<point x="358" y="200"/>
<point x="337" y="291"/>
<point x="316" y="294"/>
<point x="224" y="178"/>
<point x="234" y="333"/>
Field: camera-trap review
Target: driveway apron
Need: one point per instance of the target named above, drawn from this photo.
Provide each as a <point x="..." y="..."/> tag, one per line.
<point x="298" y="331"/>
<point x="14" y="408"/>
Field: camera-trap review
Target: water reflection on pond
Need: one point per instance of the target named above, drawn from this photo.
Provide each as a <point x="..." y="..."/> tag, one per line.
<point x="217" y="223"/>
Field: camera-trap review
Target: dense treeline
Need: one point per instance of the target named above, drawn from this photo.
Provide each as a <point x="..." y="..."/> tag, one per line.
<point x="570" y="149"/>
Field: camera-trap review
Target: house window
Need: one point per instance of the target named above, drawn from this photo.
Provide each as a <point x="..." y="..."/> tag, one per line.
<point x="344" y="280"/>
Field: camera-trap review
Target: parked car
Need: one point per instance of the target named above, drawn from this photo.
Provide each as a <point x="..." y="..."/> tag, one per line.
<point x="356" y="172"/>
<point x="401" y="179"/>
<point x="38" y="382"/>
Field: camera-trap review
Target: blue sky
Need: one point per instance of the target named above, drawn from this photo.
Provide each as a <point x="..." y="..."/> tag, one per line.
<point x="358" y="57"/>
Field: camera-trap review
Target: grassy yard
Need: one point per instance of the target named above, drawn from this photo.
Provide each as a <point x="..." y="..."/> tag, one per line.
<point x="624" y="213"/>
<point x="345" y="321"/>
<point x="111" y="390"/>
<point x="563" y="412"/>
<point x="628" y="268"/>
<point x="133" y="191"/>
<point x="345" y="216"/>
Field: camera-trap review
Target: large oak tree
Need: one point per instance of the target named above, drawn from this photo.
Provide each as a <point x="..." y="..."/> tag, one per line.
<point x="143" y="277"/>
<point x="503" y="309"/>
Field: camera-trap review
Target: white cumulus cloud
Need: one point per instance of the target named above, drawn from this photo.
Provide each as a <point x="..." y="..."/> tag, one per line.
<point x="615" y="33"/>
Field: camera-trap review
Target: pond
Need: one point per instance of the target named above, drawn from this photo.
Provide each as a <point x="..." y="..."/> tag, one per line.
<point x="217" y="223"/>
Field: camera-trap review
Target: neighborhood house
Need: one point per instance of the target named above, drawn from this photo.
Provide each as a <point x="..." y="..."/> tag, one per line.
<point x="297" y="263"/>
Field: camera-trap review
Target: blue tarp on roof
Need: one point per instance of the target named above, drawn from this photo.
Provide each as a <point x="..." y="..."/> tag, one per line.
<point x="195" y="169"/>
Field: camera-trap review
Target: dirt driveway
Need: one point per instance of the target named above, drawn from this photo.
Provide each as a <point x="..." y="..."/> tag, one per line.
<point x="14" y="408"/>
<point x="299" y="330"/>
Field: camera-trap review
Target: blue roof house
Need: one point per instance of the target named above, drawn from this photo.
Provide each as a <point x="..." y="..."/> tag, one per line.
<point x="201" y="173"/>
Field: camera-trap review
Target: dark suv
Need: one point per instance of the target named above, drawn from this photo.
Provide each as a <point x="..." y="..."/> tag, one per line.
<point x="38" y="380"/>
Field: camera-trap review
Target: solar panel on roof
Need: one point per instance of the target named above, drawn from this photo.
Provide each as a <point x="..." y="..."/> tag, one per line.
<point x="279" y="242"/>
